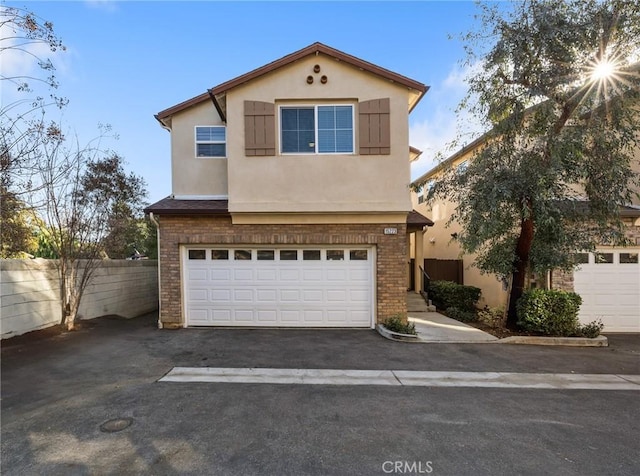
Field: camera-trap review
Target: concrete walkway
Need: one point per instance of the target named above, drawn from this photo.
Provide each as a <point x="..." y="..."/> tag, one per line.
<point x="434" y="327"/>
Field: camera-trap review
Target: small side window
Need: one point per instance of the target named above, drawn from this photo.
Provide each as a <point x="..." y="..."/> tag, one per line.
<point x="242" y="255"/>
<point x="288" y="255"/>
<point x="358" y="255"/>
<point x="211" y="141"/>
<point x="266" y="255"/>
<point x="628" y="258"/>
<point x="220" y="254"/>
<point x="604" y="258"/>
<point x="335" y="255"/>
<point x="311" y="255"/>
<point x="197" y="254"/>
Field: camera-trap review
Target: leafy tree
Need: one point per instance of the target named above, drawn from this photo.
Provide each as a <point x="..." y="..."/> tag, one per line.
<point x="558" y="90"/>
<point x="96" y="201"/>
<point x="17" y="227"/>
<point x="105" y="185"/>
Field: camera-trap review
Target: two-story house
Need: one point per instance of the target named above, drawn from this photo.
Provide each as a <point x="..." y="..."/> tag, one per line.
<point x="608" y="280"/>
<point x="290" y="204"/>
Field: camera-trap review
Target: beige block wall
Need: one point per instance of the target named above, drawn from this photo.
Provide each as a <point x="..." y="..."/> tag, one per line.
<point x="30" y="293"/>
<point x="176" y="231"/>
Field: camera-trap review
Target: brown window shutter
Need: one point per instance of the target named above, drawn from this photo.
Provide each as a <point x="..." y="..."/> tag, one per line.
<point x="259" y="128"/>
<point x="374" y="127"/>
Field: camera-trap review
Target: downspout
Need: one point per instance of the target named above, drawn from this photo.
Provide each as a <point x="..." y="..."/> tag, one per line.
<point x="157" y="225"/>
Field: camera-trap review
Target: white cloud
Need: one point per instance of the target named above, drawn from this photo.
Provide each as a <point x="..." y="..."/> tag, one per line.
<point x="104" y="5"/>
<point x="443" y="125"/>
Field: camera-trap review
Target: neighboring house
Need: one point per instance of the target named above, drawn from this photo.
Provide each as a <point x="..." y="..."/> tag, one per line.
<point x="290" y="203"/>
<point x="608" y="281"/>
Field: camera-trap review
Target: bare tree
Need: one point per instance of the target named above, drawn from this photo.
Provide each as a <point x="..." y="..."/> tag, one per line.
<point x="29" y="86"/>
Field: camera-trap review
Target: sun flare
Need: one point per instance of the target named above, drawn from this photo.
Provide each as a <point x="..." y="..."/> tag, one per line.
<point x="603" y="70"/>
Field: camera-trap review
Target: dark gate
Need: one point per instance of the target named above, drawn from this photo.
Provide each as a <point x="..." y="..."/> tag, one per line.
<point x="445" y="270"/>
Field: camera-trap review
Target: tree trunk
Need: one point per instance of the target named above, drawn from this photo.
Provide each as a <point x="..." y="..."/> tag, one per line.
<point x="521" y="264"/>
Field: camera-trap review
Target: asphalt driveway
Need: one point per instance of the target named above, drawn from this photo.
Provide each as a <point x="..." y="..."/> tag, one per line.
<point x="57" y="391"/>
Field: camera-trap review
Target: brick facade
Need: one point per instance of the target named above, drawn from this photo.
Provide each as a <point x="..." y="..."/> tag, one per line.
<point x="391" y="251"/>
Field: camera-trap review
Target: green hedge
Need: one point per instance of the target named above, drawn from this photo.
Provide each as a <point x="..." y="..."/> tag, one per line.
<point x="446" y="294"/>
<point x="549" y="312"/>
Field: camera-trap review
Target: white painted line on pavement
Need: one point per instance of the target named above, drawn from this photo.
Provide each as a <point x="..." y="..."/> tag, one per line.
<point x="404" y="377"/>
<point x="281" y="376"/>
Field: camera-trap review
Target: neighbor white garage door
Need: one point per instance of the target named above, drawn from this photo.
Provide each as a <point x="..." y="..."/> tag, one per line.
<point x="609" y="284"/>
<point x="279" y="287"/>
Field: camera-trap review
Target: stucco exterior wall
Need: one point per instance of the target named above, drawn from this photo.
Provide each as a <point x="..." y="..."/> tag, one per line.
<point x="391" y="252"/>
<point x="315" y="183"/>
<point x="297" y="183"/>
<point x="192" y="175"/>
<point x="31" y="293"/>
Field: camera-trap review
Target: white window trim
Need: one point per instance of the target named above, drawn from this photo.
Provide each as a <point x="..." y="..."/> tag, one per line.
<point x="196" y="142"/>
<point x="315" y="127"/>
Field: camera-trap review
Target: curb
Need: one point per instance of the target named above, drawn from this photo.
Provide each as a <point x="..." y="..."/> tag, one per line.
<point x="600" y="341"/>
<point x="397" y="336"/>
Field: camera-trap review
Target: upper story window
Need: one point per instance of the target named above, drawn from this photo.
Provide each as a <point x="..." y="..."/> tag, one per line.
<point x="211" y="141"/>
<point x="316" y="129"/>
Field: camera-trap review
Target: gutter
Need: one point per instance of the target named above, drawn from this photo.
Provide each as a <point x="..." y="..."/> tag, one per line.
<point x="157" y="225"/>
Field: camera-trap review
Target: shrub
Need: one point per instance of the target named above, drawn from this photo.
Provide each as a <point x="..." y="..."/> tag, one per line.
<point x="446" y="294"/>
<point x="461" y="315"/>
<point x="591" y="330"/>
<point x="549" y="312"/>
<point x="400" y="325"/>
<point x="492" y="316"/>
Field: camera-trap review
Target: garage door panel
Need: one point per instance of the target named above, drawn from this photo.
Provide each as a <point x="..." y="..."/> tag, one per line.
<point x="337" y="316"/>
<point x="361" y="275"/>
<point x="289" y="275"/>
<point x="270" y="316"/>
<point x="266" y="275"/>
<point x="221" y="316"/>
<point x="289" y="316"/>
<point x="243" y="315"/>
<point x="312" y="295"/>
<point x="243" y="275"/>
<point x="223" y="274"/>
<point x="290" y="295"/>
<point x="337" y="275"/>
<point x="313" y="316"/>
<point x="197" y="275"/>
<point x="312" y="275"/>
<point x="198" y="295"/>
<point x="336" y="295"/>
<point x="266" y="295"/>
<point x="312" y="292"/>
<point x="358" y="295"/>
<point x="199" y="315"/>
<point x="221" y="295"/>
<point x="243" y="295"/>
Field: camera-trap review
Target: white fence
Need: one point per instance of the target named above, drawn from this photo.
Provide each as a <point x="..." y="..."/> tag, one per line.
<point x="30" y="293"/>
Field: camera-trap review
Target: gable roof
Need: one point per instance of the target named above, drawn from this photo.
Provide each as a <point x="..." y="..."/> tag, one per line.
<point x="217" y="93"/>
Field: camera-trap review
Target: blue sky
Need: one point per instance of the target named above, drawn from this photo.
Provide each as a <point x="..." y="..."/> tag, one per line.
<point x="126" y="61"/>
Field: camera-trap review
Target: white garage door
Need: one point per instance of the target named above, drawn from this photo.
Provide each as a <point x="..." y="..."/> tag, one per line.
<point x="279" y="287"/>
<point x="609" y="284"/>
